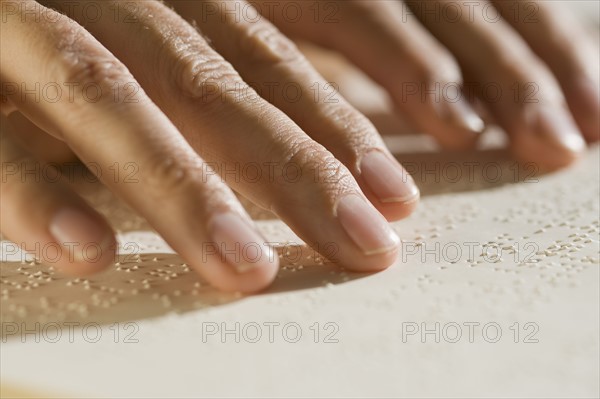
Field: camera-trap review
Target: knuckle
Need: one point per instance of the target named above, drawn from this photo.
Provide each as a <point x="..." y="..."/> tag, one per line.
<point x="101" y="80"/>
<point x="263" y="44"/>
<point x="178" y="178"/>
<point x="359" y="132"/>
<point x="306" y="153"/>
<point x="358" y="128"/>
<point x="317" y="165"/>
<point x="86" y="63"/>
<point x="167" y="177"/>
<point x="90" y="73"/>
<point x="103" y="72"/>
<point x="193" y="72"/>
<point x="208" y="79"/>
<point x="68" y="36"/>
<point x="196" y="72"/>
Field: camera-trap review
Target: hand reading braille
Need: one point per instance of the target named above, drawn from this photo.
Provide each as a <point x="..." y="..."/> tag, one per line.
<point x="192" y="95"/>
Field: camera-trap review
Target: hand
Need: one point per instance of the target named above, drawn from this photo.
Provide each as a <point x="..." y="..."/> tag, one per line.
<point x="132" y="82"/>
<point x="526" y="63"/>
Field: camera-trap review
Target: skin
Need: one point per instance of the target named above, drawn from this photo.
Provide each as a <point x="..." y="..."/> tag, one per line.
<point x="199" y="96"/>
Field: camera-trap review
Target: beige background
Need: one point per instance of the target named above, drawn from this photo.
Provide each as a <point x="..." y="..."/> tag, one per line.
<point x="546" y="228"/>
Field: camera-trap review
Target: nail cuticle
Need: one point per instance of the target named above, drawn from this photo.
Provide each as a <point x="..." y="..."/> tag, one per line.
<point x="387" y="179"/>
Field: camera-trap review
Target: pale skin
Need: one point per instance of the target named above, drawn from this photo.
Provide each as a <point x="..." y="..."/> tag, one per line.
<point x="186" y="112"/>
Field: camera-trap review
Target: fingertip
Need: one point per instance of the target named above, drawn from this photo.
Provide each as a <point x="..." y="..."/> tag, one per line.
<point x="464" y="126"/>
<point x="387" y="185"/>
<point x="549" y="138"/>
<point x="236" y="258"/>
<point x="546" y="155"/>
<point x="394" y="211"/>
<point x="251" y="282"/>
<point x="229" y="277"/>
<point x="88" y="260"/>
<point x="386" y="181"/>
<point x="88" y="244"/>
<point x="372" y="263"/>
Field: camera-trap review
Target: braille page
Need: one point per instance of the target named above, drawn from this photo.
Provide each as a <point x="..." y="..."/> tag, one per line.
<point x="495" y="293"/>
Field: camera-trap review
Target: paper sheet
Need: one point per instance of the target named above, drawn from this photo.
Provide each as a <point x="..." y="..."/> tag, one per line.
<point x="526" y="306"/>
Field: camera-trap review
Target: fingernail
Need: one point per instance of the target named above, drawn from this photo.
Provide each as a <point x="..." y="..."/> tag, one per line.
<point x="239" y="244"/>
<point x="79" y="232"/>
<point x="455" y="107"/>
<point x="388" y="180"/>
<point x="366" y="227"/>
<point x="555" y="124"/>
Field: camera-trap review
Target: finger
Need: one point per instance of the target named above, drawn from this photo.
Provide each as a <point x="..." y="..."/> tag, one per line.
<point x="256" y="148"/>
<point x="195" y="212"/>
<point x="519" y="90"/>
<point x="43" y="216"/>
<point x="276" y="69"/>
<point x="421" y="76"/>
<point x="551" y="31"/>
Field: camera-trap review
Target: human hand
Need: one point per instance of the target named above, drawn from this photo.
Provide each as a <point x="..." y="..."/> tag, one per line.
<point x="527" y="65"/>
<point x="133" y="83"/>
